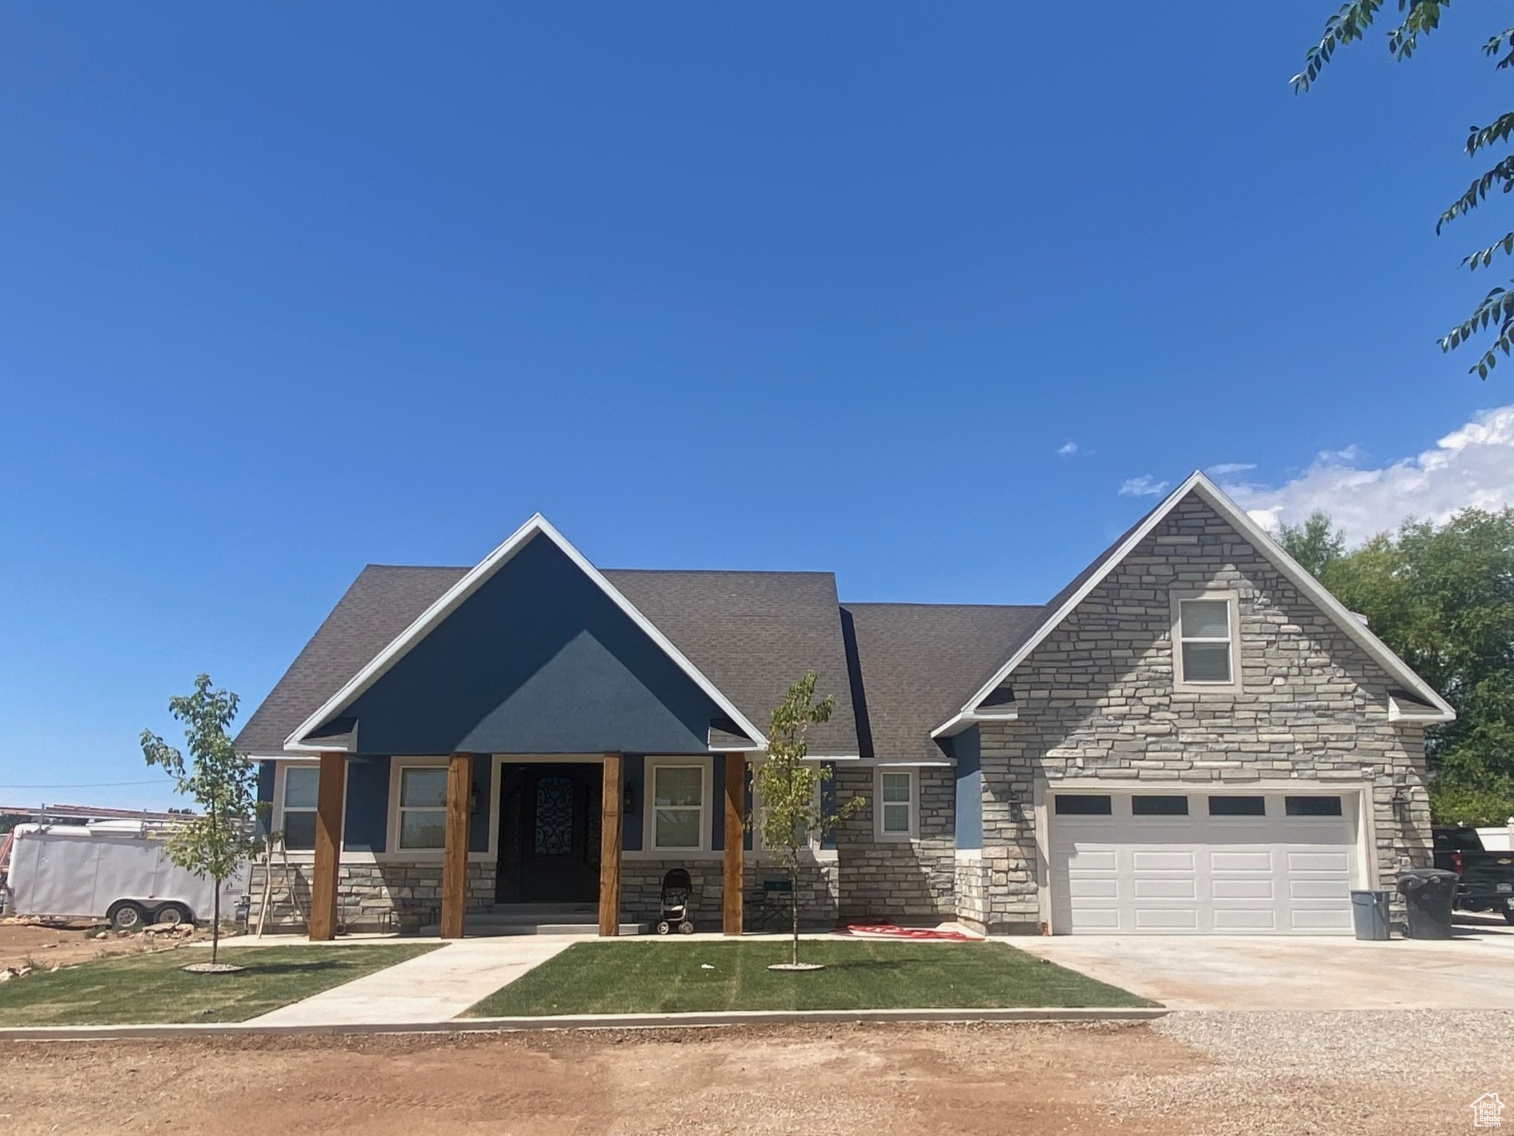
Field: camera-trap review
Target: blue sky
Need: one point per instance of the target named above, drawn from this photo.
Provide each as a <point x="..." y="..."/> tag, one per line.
<point x="291" y="289"/>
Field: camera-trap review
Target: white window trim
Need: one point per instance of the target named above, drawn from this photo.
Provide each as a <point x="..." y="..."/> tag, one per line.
<point x="276" y="817"/>
<point x="914" y="804"/>
<point x="649" y="807"/>
<point x="397" y="766"/>
<point x="759" y="846"/>
<point x="1179" y="682"/>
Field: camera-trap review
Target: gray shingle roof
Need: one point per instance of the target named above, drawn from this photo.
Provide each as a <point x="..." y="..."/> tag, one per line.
<point x="750" y="633"/>
<point x="383" y="601"/>
<point x="753" y="633"/>
<point x="917" y="663"/>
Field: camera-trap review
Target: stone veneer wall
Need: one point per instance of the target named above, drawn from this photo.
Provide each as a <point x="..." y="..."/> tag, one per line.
<point x="370" y="896"/>
<point x="641" y="889"/>
<point x="912" y="879"/>
<point x="1096" y="700"/>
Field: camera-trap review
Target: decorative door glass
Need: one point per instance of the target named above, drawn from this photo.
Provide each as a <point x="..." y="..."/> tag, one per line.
<point x="554" y="816"/>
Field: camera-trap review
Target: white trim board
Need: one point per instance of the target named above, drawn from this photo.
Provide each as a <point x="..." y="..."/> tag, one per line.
<point x="453" y="598"/>
<point x="1295" y="573"/>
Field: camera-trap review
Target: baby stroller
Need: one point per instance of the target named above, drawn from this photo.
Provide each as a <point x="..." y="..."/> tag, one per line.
<point x="677" y="903"/>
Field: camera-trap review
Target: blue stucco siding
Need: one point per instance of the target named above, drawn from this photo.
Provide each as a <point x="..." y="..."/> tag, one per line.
<point x="965" y="748"/>
<point x="537" y="660"/>
<point x="365" y="825"/>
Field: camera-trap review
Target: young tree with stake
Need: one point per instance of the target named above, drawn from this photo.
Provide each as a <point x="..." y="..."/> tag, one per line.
<point x="791" y="814"/>
<point x="222" y="782"/>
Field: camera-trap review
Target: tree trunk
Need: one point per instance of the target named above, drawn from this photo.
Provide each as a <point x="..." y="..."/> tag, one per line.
<point x="794" y="915"/>
<point x="215" y="926"/>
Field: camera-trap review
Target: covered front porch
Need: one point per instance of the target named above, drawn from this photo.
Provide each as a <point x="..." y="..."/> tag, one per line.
<point x="529" y="832"/>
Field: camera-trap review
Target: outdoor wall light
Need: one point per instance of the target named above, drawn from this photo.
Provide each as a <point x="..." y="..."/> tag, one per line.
<point x="473" y="798"/>
<point x="629" y="798"/>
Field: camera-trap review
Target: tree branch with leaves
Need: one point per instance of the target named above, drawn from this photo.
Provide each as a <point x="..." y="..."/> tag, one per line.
<point x="1495" y="311"/>
<point x="788" y="790"/>
<point x="223" y="785"/>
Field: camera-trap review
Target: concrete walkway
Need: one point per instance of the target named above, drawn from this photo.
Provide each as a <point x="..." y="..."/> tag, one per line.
<point x="435" y="987"/>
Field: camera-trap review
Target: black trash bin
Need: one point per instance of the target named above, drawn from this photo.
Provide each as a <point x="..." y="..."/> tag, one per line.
<point x="1369" y="913"/>
<point x="1428" y="893"/>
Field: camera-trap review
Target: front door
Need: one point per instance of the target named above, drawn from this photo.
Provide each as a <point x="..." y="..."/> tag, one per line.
<point x="549" y="820"/>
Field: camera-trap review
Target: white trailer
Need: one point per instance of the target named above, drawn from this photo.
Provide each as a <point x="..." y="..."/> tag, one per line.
<point x="115" y="870"/>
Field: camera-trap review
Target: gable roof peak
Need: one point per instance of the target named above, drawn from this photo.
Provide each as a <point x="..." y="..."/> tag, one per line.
<point x="470" y="582"/>
<point x="1198" y="482"/>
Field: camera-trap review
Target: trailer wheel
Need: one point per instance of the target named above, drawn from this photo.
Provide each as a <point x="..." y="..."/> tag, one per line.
<point x="171" y="914"/>
<point x="127" y="916"/>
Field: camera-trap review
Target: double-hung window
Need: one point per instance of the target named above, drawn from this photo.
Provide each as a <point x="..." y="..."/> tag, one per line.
<point x="1206" y="641"/>
<point x="422" y="808"/>
<point x="301" y="786"/>
<point x="896" y="803"/>
<point x="678" y="807"/>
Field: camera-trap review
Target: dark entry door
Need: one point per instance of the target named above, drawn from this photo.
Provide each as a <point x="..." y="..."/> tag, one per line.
<point x="549" y="818"/>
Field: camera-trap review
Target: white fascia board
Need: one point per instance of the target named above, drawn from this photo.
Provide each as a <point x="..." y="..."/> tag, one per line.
<point x="962" y="721"/>
<point x="1197" y="482"/>
<point x="453" y="598"/>
<point x="1397" y="712"/>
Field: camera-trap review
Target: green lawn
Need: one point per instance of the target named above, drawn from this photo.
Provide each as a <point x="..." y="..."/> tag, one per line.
<point x="153" y="988"/>
<point x="668" y="977"/>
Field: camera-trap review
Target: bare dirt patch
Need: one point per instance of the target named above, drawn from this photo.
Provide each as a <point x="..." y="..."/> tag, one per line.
<point x="23" y="944"/>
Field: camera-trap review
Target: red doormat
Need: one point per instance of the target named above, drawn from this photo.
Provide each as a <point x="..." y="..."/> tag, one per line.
<point x="889" y="931"/>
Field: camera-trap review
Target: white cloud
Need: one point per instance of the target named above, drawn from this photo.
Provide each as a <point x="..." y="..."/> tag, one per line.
<point x="1471" y="466"/>
<point x="1067" y="450"/>
<point x="1225" y="469"/>
<point x="1143" y="486"/>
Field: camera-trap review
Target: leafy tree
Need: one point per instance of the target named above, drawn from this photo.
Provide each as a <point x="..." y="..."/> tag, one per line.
<point x="1443" y="599"/>
<point x="1420" y="17"/>
<point x="1314" y="544"/>
<point x="788" y="788"/>
<point x="223" y="784"/>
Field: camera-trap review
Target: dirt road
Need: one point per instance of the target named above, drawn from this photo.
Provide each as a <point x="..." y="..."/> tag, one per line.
<point x="1031" y="1080"/>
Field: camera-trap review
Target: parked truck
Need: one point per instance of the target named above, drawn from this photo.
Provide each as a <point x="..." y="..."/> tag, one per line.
<point x="1485" y="877"/>
<point x="112" y="870"/>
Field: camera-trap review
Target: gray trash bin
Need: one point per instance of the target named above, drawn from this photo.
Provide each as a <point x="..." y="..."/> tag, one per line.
<point x="1369" y="912"/>
<point x="1428" y="893"/>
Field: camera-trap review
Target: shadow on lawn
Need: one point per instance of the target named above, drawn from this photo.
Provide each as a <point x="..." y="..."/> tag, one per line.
<point x="256" y="969"/>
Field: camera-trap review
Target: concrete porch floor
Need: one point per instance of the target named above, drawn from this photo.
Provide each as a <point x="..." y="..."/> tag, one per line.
<point x="1472" y="971"/>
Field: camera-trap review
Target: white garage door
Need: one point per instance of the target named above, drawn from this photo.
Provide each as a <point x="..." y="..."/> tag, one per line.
<point x="1202" y="864"/>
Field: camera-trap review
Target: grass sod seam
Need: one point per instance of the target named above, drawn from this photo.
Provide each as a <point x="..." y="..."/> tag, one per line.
<point x="678" y="977"/>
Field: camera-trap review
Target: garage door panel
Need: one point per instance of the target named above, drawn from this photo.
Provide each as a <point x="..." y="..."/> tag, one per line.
<point x="1162" y="860"/>
<point x="1305" y="920"/>
<point x="1245" y="920"/>
<point x="1253" y="860"/>
<point x="1080" y="887"/>
<point x="1162" y="919"/>
<point x="1319" y="861"/>
<point x="1084" y="859"/>
<point x="1241" y="889"/>
<point x="1143" y="888"/>
<point x="1198" y="874"/>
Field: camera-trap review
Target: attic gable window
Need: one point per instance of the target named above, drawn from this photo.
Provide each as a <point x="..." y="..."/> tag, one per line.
<point x="1206" y="641"/>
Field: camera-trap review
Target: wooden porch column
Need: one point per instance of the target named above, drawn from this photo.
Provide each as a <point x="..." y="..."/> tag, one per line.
<point x="609" y="848"/>
<point x="455" y="846"/>
<point x="331" y="788"/>
<point x="735" y="842"/>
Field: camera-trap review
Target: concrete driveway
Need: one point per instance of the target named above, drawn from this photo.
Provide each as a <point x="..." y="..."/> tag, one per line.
<point x="1473" y="971"/>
